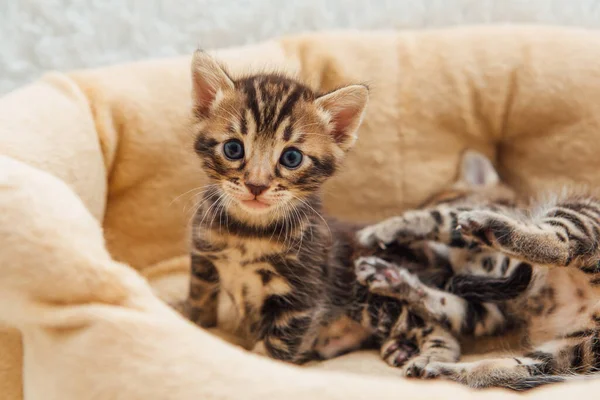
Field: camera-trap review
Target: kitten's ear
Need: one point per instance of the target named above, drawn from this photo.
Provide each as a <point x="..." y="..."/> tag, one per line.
<point x="477" y="170"/>
<point x="346" y="108"/>
<point x="209" y="80"/>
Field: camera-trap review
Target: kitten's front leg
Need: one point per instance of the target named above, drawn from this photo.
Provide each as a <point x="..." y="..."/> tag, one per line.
<point x="436" y="224"/>
<point x="288" y="328"/>
<point x="201" y="305"/>
<point x="413" y="346"/>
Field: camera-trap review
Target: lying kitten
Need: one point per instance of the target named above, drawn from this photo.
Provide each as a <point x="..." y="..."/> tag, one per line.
<point x="560" y="309"/>
<point x="265" y="264"/>
<point x="407" y="336"/>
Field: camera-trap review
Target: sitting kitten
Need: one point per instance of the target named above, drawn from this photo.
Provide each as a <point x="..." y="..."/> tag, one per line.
<point x="261" y="249"/>
<point x="560" y="309"/>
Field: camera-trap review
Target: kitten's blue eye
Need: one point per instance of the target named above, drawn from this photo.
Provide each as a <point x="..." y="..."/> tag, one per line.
<point x="233" y="149"/>
<point x="291" y="158"/>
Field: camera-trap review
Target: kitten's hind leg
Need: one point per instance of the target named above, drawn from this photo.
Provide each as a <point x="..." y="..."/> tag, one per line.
<point x="516" y="373"/>
<point x="554" y="361"/>
<point x="457" y="314"/>
<point x="566" y="233"/>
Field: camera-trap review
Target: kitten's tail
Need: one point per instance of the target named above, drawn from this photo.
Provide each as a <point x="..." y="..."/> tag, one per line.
<point x="488" y="289"/>
<point x="533" y="382"/>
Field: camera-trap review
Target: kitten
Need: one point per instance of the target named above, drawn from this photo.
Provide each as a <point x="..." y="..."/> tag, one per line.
<point x="407" y="336"/>
<point x="261" y="249"/>
<point x="559" y="310"/>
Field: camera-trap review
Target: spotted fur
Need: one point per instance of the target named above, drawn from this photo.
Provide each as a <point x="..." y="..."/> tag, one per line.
<point x="407" y="336"/>
<point x="559" y="309"/>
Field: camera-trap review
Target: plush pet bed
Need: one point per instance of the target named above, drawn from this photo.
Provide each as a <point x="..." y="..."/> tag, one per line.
<point x="96" y="173"/>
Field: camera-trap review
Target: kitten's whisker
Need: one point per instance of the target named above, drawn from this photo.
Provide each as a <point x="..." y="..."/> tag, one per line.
<point x="310" y="225"/>
<point x="293" y="229"/>
<point x="221" y="213"/>
<point x="196" y="203"/>
<point x="183" y="194"/>
<point x="301" y="232"/>
<point x="227" y="205"/>
<point x="204" y="188"/>
<point x="197" y="208"/>
<point x="216" y="202"/>
<point x="316" y="212"/>
<point x="219" y="203"/>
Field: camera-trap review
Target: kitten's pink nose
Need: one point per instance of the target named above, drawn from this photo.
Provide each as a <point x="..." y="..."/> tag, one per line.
<point x="256" y="189"/>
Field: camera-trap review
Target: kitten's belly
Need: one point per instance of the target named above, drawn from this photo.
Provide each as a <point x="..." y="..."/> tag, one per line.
<point x="243" y="287"/>
<point x="229" y="318"/>
<point x="563" y="301"/>
<point x="240" y="295"/>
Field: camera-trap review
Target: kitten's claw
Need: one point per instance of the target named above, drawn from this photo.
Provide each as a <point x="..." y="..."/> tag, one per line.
<point x="481" y="226"/>
<point x="469" y="222"/>
<point x="397" y="352"/>
<point x="415" y="368"/>
<point x="375" y="272"/>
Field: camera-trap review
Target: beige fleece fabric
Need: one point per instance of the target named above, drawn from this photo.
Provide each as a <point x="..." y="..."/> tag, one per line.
<point x="96" y="190"/>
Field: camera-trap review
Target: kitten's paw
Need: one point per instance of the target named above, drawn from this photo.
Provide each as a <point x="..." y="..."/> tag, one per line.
<point x="387" y="279"/>
<point x="485" y="227"/>
<point x="416" y="367"/>
<point x="411" y="227"/>
<point x="204" y="318"/>
<point x="397" y="351"/>
<point x="439" y="370"/>
<point x="381" y="234"/>
<point x="260" y="349"/>
<point x="375" y="272"/>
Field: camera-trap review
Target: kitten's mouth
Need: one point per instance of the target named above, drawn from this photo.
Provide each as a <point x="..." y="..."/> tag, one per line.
<point x="255" y="204"/>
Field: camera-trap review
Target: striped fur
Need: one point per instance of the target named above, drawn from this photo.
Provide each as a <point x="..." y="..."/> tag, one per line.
<point x="559" y="309"/>
<point x="260" y="247"/>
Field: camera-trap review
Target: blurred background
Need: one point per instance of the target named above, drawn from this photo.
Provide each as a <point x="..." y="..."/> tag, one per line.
<point x="40" y="35"/>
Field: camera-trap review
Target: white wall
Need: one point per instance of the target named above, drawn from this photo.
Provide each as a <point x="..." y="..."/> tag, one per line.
<point x="38" y="35"/>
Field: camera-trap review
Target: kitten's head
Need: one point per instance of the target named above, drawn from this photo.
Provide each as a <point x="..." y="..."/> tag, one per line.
<point x="268" y="142"/>
<point x="477" y="181"/>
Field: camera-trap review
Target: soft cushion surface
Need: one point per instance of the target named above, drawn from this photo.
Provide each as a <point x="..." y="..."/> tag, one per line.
<point x="97" y="172"/>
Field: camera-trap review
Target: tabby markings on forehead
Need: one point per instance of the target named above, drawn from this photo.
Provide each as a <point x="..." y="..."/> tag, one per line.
<point x="271" y="101"/>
